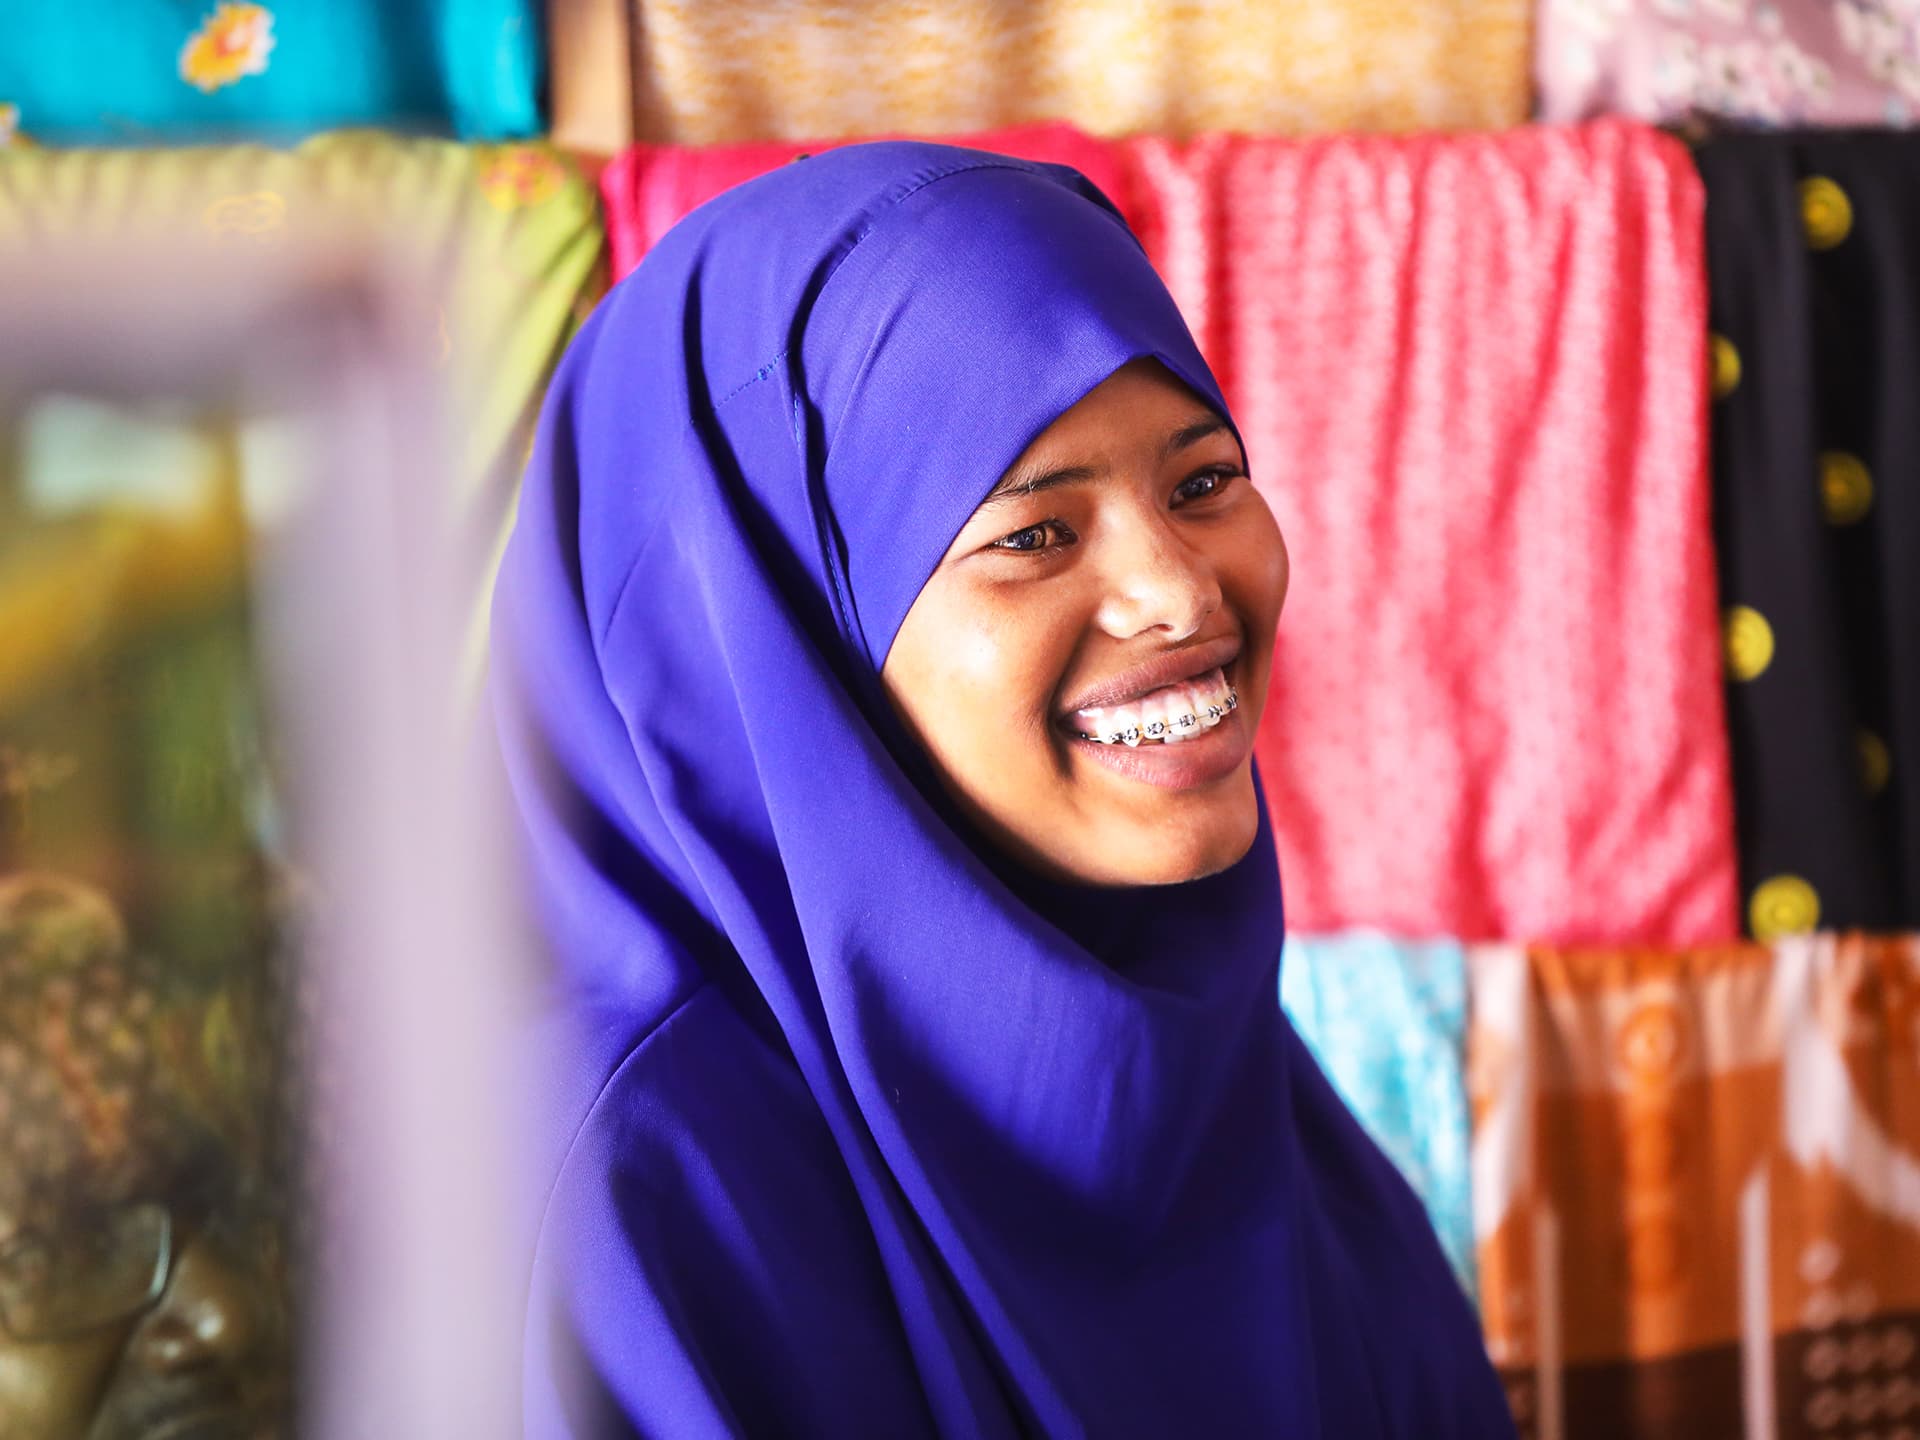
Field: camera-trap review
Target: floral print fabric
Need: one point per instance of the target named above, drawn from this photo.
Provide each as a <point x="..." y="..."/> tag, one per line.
<point x="167" y="72"/>
<point x="1751" y="62"/>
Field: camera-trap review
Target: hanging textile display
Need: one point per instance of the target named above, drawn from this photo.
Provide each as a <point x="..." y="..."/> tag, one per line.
<point x="1470" y="375"/>
<point x="1816" y="344"/>
<point x="720" y="71"/>
<point x="647" y="188"/>
<point x="166" y="72"/>
<point x="1751" y="62"/>
<point x="1387" y="1020"/>
<point x="508" y="234"/>
<point x="1697" y="1187"/>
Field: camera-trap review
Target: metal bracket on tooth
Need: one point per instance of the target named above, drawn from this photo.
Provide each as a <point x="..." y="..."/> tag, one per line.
<point x="1158" y="729"/>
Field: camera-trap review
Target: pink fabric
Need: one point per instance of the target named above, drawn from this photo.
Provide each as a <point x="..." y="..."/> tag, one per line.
<point x="646" y="188"/>
<point x="1471" y="375"/>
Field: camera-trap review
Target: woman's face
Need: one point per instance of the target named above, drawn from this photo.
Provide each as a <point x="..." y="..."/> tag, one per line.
<point x="1123" y="578"/>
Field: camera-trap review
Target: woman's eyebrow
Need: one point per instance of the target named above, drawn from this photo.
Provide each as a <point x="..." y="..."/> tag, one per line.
<point x="1018" y="483"/>
<point x="1021" y="482"/>
<point x="1193" y="433"/>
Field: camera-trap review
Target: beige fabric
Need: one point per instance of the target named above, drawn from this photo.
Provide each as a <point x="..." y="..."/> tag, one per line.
<point x="590" y="75"/>
<point x="713" y="71"/>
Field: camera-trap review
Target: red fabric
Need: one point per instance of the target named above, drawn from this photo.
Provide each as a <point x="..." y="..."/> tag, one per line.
<point x="1471" y="374"/>
<point x="646" y="188"/>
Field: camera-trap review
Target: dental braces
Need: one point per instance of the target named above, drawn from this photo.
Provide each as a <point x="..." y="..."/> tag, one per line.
<point x="1160" y="729"/>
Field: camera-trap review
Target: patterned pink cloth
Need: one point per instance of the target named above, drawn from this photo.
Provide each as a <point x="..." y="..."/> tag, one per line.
<point x="646" y="188"/>
<point x="1471" y="373"/>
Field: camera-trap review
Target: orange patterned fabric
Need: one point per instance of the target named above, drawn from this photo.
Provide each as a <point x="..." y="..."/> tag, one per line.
<point x="718" y="71"/>
<point x="1697" y="1187"/>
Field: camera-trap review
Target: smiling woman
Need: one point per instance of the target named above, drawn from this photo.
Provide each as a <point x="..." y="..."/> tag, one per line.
<point x="877" y="654"/>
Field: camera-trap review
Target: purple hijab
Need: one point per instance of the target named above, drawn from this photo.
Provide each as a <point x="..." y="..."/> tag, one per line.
<point x="859" y="1130"/>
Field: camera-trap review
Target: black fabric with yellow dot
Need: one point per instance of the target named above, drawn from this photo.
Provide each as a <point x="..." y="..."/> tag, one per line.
<point x="1813" y="244"/>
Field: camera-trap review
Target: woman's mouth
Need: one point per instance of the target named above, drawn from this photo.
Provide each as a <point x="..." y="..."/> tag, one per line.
<point x="1171" y="715"/>
<point x="1178" y="737"/>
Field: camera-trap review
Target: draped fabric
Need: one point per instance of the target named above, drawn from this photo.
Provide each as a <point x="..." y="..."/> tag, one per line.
<point x="503" y="242"/>
<point x="865" y="1131"/>
<point x="1697" y="1186"/>
<point x="1471" y="378"/>
<point x="1470" y="374"/>
<point x="1387" y="1020"/>
<point x="1811" y="241"/>
<point x="1788" y="62"/>
<point x="722" y="71"/>
<point x="647" y="188"/>
<point x="174" y="71"/>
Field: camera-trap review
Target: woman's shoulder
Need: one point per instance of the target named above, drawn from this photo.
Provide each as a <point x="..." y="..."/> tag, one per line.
<point x="705" y="1236"/>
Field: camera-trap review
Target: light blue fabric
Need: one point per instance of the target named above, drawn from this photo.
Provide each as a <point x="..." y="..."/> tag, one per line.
<point x="85" y="75"/>
<point x="1387" y="1020"/>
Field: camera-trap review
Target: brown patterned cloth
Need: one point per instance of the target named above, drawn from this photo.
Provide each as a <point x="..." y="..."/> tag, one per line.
<point x="1697" y="1187"/>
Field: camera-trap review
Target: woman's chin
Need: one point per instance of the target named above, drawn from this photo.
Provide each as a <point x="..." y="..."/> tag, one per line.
<point x="1176" y="847"/>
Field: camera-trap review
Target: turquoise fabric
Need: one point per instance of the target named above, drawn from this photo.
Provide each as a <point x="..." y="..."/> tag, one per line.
<point x="80" y="75"/>
<point x="1387" y="1020"/>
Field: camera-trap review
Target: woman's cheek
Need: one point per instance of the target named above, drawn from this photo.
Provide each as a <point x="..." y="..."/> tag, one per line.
<point x="1257" y="580"/>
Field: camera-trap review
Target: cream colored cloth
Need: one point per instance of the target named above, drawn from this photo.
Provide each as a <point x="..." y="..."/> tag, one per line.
<point x="714" y="71"/>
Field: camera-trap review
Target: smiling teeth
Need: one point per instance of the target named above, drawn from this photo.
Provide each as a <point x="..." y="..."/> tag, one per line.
<point x="1168" y="716"/>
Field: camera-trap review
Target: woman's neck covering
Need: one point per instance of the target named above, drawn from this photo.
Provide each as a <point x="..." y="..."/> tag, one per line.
<point x="1073" y="1120"/>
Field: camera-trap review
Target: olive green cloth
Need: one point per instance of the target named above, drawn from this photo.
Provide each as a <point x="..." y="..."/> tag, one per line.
<point x="507" y="238"/>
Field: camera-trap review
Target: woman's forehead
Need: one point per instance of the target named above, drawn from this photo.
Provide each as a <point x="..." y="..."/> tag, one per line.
<point x="1141" y="409"/>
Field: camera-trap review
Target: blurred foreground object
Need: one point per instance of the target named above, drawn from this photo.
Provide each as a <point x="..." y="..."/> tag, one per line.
<point x="252" y="990"/>
<point x="501" y="244"/>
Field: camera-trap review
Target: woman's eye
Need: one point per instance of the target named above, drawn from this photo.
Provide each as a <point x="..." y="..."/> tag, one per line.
<point x="1199" y="487"/>
<point x="1045" y="536"/>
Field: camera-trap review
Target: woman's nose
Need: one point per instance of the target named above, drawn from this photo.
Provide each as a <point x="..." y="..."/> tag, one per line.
<point x="209" y="1315"/>
<point x="1156" y="580"/>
